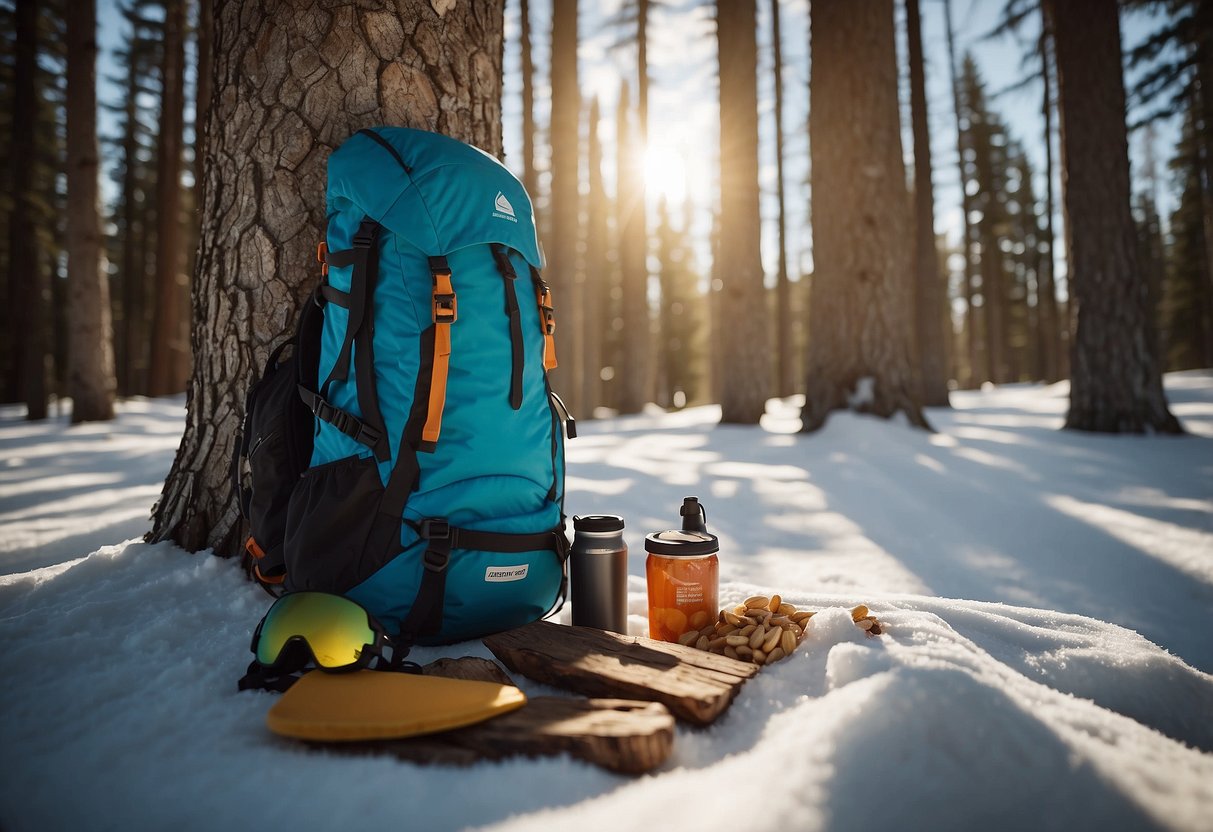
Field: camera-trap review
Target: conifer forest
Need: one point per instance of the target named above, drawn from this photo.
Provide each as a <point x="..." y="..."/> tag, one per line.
<point x="886" y="202"/>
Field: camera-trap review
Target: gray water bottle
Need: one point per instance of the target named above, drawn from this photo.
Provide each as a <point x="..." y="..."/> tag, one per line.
<point x="599" y="573"/>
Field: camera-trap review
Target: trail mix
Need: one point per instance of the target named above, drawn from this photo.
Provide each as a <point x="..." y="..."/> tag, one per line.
<point x="761" y="630"/>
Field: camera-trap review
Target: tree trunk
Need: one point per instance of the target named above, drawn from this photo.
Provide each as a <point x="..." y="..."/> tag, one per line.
<point x="27" y="271"/>
<point x="746" y="383"/>
<point x="530" y="176"/>
<point x="288" y="89"/>
<point x="930" y="298"/>
<point x="861" y="312"/>
<point x="564" y="206"/>
<point x="90" y="363"/>
<point x="168" y="336"/>
<point x="1116" y="385"/>
<point x="966" y="207"/>
<point x="636" y="339"/>
<point x="1050" y="321"/>
<point x="597" y="296"/>
<point x="785" y="381"/>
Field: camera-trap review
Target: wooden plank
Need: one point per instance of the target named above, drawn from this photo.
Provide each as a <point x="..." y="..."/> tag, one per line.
<point x="623" y="736"/>
<point x="695" y="685"/>
<point x="620" y="735"/>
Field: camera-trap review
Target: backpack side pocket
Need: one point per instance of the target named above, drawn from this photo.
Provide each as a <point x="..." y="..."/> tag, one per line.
<point x="332" y="514"/>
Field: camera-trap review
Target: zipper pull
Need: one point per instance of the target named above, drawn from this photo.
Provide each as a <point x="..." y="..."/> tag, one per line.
<point x="570" y="424"/>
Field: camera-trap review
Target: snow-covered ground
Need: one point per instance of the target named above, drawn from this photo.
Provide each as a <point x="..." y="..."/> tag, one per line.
<point x="1047" y="666"/>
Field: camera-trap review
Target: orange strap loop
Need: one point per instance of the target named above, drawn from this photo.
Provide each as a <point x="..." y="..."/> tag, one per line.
<point x="322" y="250"/>
<point x="445" y="312"/>
<point x="547" y="320"/>
<point x="257" y="553"/>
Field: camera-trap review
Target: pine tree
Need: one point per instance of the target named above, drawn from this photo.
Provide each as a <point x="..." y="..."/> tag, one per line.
<point x="1116" y="381"/>
<point x="562" y="242"/>
<point x="632" y="385"/>
<point x="597" y="300"/>
<point x="27" y="267"/>
<point x="930" y="297"/>
<point x="785" y="382"/>
<point x="530" y="175"/>
<point x="1186" y="329"/>
<point x="133" y="215"/>
<point x="745" y="384"/>
<point x="967" y="244"/>
<point x="90" y="352"/>
<point x="169" y="330"/>
<point x="861" y="314"/>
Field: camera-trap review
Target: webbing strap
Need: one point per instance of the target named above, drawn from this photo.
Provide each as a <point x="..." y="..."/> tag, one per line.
<point x="344" y="421"/>
<point x="444" y="312"/>
<point x="425" y="615"/>
<point x="360" y="283"/>
<point x="547" y="319"/>
<point x="502" y="258"/>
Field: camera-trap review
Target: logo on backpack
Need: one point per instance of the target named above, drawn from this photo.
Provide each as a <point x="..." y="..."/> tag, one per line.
<point x="503" y="574"/>
<point x="502" y="208"/>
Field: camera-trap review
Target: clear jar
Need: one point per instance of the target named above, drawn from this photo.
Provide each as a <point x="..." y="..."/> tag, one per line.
<point x="683" y="576"/>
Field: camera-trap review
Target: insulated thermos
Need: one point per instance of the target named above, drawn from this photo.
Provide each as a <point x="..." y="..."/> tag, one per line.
<point x="599" y="573"/>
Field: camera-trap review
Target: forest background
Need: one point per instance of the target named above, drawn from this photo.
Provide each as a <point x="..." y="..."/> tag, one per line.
<point x="653" y="276"/>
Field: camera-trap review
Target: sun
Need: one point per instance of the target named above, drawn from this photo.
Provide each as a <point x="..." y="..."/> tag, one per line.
<point x="665" y="173"/>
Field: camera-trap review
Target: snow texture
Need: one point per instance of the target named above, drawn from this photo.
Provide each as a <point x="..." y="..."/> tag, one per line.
<point x="1071" y="687"/>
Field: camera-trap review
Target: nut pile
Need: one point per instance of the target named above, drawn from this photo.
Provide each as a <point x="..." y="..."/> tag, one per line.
<point x="762" y="630"/>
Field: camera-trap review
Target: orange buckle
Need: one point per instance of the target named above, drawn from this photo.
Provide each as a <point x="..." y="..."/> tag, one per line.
<point x="275" y="579"/>
<point x="547" y="311"/>
<point x="253" y="548"/>
<point x="322" y="250"/>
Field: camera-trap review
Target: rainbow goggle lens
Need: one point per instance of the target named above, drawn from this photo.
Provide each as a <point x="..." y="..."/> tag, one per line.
<point x="333" y="631"/>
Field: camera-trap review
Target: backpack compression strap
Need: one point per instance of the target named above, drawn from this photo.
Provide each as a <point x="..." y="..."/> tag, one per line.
<point x="425" y="615"/>
<point x="444" y="312"/>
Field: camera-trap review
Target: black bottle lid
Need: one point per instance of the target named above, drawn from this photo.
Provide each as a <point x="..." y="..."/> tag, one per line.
<point x="598" y="523"/>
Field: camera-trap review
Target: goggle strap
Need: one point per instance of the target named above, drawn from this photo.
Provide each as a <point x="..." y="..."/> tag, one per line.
<point x="258" y="678"/>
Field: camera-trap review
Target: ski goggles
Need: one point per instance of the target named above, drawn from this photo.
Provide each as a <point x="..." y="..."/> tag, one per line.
<point x="336" y="633"/>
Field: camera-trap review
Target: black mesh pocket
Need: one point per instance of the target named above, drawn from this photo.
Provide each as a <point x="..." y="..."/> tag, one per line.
<point x="335" y="534"/>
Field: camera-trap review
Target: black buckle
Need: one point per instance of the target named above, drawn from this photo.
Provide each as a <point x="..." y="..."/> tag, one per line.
<point x="444" y="309"/>
<point x="437" y="555"/>
<point x="365" y="235"/>
<point x="434" y="528"/>
<point x="367" y="435"/>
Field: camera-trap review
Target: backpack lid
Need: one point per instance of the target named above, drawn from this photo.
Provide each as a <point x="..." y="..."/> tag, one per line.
<point x="438" y="193"/>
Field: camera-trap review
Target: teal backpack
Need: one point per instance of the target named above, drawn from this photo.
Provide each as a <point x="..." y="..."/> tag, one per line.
<point x="408" y="452"/>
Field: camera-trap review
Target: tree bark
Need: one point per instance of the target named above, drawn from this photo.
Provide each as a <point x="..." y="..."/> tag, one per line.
<point x="861" y="318"/>
<point x="785" y="382"/>
<point x="290" y="85"/>
<point x="564" y="206"/>
<point x="90" y="370"/>
<point x="930" y="298"/>
<point x="746" y="384"/>
<point x="168" y="331"/>
<point x="27" y="271"/>
<point x="1116" y="384"/>
<point x="530" y="176"/>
